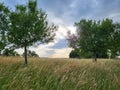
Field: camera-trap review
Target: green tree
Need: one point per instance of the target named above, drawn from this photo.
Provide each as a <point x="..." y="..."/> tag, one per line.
<point x="29" y="26"/>
<point x="107" y="33"/>
<point x="93" y="38"/>
<point x="74" y="54"/>
<point x="115" y="42"/>
<point x="9" y="52"/>
<point x="31" y="54"/>
<point x="4" y="26"/>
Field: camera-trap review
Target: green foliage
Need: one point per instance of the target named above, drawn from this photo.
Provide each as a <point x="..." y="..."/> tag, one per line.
<point x="31" y="54"/>
<point x="95" y="38"/>
<point x="45" y="74"/>
<point x="115" y="48"/>
<point x="74" y="54"/>
<point x="29" y="26"/>
<point x="9" y="52"/>
<point x="4" y="26"/>
<point x="85" y="54"/>
<point x="25" y="26"/>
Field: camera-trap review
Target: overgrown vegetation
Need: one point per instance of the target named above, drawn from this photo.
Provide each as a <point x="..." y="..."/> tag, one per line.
<point x="57" y="74"/>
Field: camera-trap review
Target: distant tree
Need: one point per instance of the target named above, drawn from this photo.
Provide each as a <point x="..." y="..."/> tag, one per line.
<point x="31" y="54"/>
<point x="29" y="26"/>
<point x="74" y="54"/>
<point x="9" y="52"/>
<point x="4" y="25"/>
<point x="93" y="38"/>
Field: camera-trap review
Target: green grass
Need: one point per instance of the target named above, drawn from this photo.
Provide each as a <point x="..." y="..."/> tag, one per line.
<point x="59" y="74"/>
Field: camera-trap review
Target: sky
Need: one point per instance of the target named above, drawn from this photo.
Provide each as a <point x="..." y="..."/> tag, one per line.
<point x="64" y="13"/>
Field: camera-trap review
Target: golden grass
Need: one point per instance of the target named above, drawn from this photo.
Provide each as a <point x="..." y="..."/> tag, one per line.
<point x="59" y="74"/>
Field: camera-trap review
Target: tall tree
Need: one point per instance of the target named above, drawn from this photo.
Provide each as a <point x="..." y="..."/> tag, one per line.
<point x="93" y="37"/>
<point x="115" y="42"/>
<point x="29" y="26"/>
<point x="4" y="25"/>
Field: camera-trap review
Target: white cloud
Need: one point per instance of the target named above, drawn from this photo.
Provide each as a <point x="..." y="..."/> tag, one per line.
<point x="115" y="17"/>
<point x="61" y="53"/>
<point x="43" y="50"/>
<point x="62" y="32"/>
<point x="63" y="28"/>
<point x="46" y="51"/>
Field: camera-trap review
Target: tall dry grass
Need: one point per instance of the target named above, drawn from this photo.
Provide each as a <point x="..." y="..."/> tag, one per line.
<point x="59" y="74"/>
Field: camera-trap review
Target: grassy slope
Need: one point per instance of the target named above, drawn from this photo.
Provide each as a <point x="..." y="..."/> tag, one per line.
<point x="55" y="74"/>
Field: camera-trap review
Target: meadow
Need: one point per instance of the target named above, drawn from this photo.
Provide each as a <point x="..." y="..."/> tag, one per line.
<point x="59" y="74"/>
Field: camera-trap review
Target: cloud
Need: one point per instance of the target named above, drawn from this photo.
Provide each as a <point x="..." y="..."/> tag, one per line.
<point x="43" y="50"/>
<point x="56" y="48"/>
<point x="61" y="53"/>
<point x="61" y="44"/>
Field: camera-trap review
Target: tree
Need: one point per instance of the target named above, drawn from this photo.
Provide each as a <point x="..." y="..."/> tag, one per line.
<point x="4" y="26"/>
<point x="31" y="54"/>
<point x="9" y="52"/>
<point x="93" y="38"/>
<point x="107" y="32"/>
<point x="29" y="26"/>
<point x="74" y="54"/>
<point x="115" y="47"/>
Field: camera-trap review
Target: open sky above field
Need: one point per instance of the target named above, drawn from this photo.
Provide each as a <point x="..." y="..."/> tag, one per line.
<point x="65" y="13"/>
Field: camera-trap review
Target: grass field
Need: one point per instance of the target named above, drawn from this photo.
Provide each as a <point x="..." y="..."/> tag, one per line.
<point x="59" y="74"/>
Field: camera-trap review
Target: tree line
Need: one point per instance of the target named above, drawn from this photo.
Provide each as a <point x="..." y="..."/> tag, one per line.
<point x="95" y="38"/>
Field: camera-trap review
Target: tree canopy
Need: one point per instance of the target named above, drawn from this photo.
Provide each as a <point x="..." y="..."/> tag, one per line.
<point x="95" y="38"/>
<point x="4" y="26"/>
<point x="29" y="26"/>
<point x="25" y="26"/>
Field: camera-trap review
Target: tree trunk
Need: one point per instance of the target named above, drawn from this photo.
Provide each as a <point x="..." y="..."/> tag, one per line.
<point x="25" y="55"/>
<point x="94" y="57"/>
